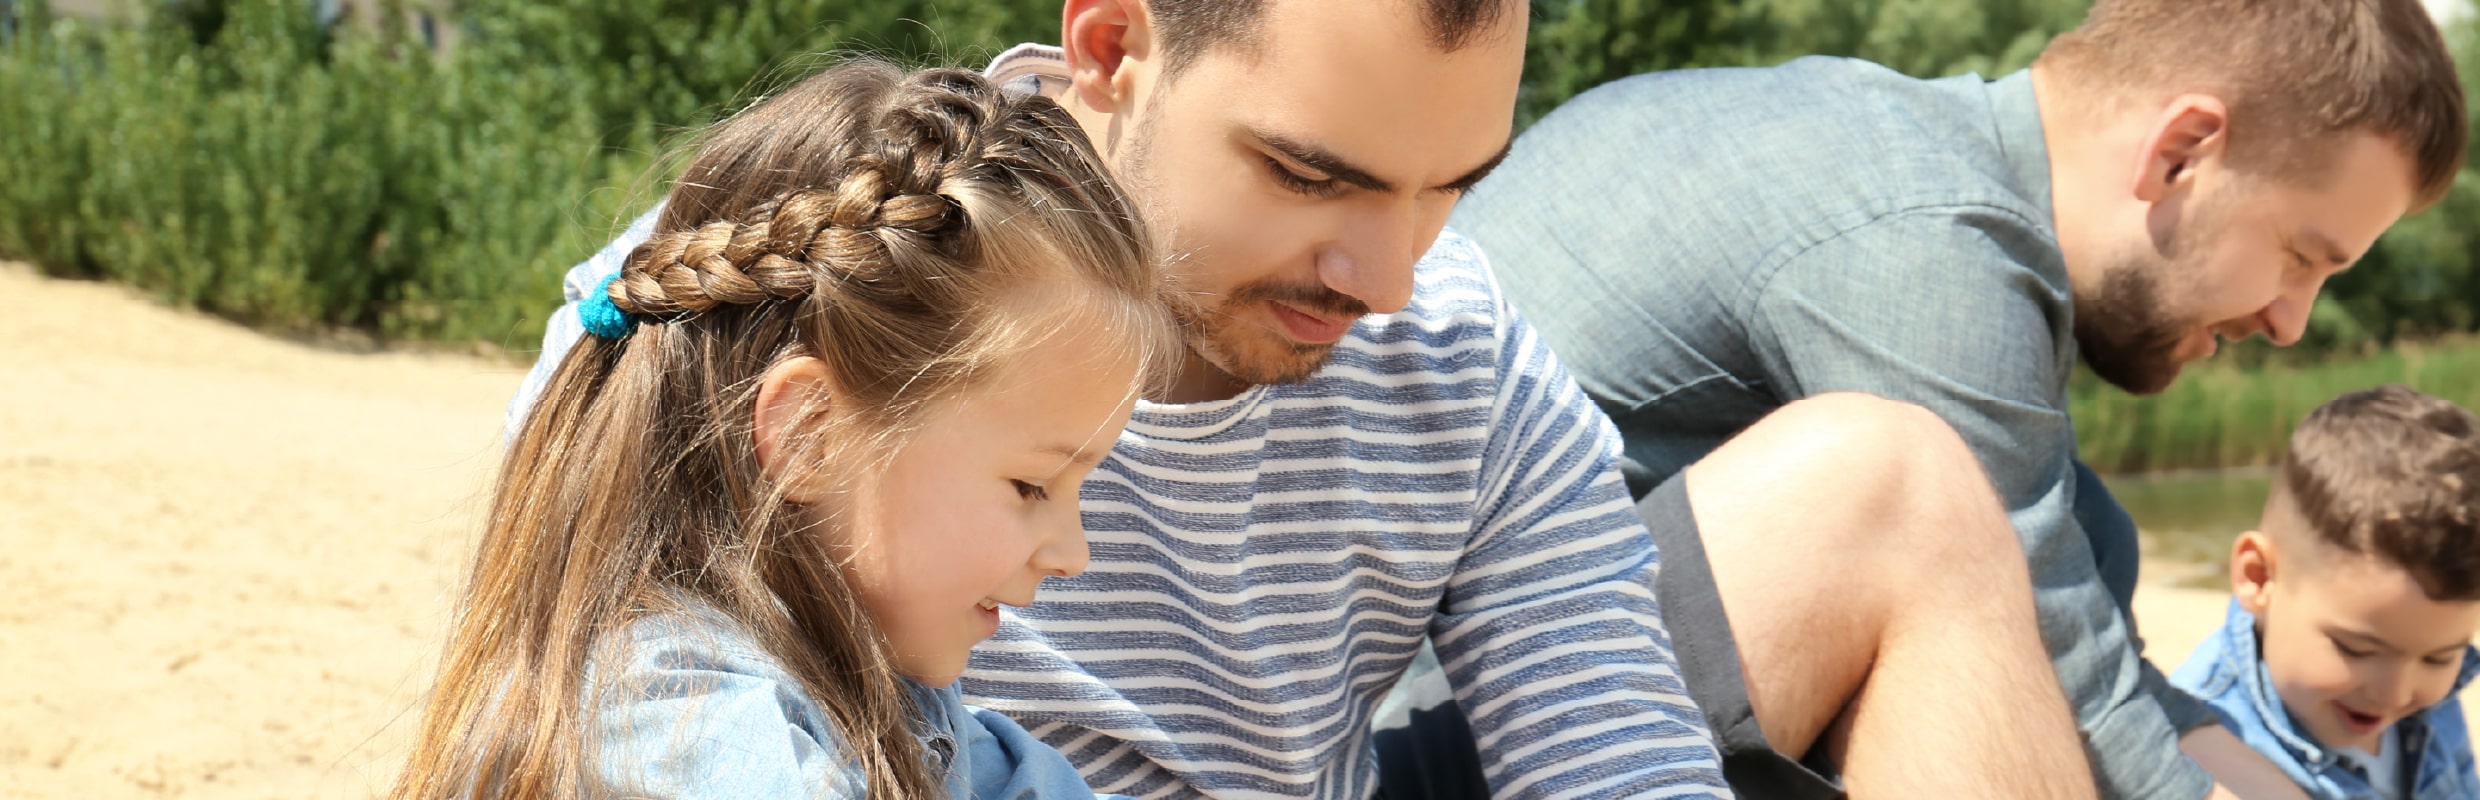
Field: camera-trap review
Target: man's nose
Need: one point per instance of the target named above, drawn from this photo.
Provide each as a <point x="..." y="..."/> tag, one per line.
<point x="2286" y="319"/>
<point x="1372" y="262"/>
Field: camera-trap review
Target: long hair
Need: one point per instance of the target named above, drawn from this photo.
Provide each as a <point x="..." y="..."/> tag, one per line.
<point x="873" y="219"/>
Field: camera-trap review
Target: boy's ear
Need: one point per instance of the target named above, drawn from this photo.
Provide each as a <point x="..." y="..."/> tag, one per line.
<point x="2254" y="561"/>
<point x="1101" y="39"/>
<point x="791" y="396"/>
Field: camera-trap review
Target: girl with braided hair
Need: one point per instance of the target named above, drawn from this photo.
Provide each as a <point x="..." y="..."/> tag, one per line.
<point x="833" y="415"/>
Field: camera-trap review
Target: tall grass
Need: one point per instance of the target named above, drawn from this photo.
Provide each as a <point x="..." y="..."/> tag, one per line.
<point x="2221" y="414"/>
<point x="295" y="177"/>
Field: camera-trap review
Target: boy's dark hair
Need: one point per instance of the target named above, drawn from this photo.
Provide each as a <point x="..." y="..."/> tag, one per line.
<point x="1191" y="28"/>
<point x="2394" y="474"/>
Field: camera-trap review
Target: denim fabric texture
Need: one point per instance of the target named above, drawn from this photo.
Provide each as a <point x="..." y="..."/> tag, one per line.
<point x="1704" y="247"/>
<point x="693" y="708"/>
<point x="2227" y="672"/>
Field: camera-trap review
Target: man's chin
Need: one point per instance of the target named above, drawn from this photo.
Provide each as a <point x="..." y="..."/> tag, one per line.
<point x="1267" y="362"/>
<point x="2140" y="380"/>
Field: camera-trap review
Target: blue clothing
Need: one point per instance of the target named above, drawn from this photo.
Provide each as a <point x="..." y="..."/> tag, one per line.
<point x="1716" y="244"/>
<point x="2227" y="672"/>
<point x="1264" y="568"/>
<point x="692" y="707"/>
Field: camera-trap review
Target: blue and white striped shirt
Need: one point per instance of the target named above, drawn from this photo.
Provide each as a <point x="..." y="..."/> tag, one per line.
<point x="1264" y="569"/>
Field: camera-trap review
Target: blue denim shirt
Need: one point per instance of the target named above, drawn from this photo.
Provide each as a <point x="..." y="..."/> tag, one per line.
<point x="2226" y="671"/>
<point x="1703" y="247"/>
<point x="698" y="710"/>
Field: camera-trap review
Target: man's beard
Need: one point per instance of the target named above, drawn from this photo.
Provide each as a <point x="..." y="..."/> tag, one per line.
<point x="1223" y="333"/>
<point x="2126" y="335"/>
<point x="2126" y="331"/>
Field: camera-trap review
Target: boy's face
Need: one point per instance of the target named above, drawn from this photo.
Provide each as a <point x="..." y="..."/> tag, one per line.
<point x="2352" y="642"/>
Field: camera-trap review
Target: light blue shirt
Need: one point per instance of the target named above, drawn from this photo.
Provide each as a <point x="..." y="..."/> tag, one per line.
<point x="1704" y="247"/>
<point x="698" y="710"/>
<point x="2230" y="676"/>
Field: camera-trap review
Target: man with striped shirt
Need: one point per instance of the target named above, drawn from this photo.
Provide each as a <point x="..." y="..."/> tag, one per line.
<point x="1368" y="448"/>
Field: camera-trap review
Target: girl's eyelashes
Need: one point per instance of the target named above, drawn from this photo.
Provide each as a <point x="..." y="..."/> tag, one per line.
<point x="1030" y="491"/>
<point x="1317" y="188"/>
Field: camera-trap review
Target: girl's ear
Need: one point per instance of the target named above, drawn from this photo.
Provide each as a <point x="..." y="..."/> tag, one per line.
<point x="792" y="396"/>
<point x="2254" y="561"/>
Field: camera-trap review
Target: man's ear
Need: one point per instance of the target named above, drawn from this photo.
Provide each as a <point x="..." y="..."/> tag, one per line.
<point x="1100" y="40"/>
<point x="2254" y="562"/>
<point x="792" y="396"/>
<point x="2192" y="129"/>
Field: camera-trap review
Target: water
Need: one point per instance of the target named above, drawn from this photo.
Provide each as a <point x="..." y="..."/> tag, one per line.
<point x="2192" y="516"/>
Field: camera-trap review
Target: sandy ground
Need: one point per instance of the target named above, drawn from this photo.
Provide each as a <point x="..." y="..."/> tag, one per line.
<point x="225" y="558"/>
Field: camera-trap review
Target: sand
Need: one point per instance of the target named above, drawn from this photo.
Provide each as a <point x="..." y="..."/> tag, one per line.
<point x="225" y="558"/>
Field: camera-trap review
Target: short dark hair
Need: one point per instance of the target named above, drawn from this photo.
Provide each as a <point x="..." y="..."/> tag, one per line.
<point x="2295" y="74"/>
<point x="2394" y="474"/>
<point x="1191" y="28"/>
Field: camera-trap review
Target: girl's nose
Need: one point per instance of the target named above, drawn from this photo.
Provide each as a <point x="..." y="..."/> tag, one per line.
<point x="1063" y="554"/>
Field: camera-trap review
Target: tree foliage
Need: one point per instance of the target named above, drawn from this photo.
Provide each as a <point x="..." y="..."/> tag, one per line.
<point x="240" y="156"/>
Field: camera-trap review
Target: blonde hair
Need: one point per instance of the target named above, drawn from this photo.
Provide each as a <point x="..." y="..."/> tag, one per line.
<point x="873" y="219"/>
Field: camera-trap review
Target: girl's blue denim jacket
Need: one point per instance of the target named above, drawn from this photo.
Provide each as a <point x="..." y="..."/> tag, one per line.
<point x="697" y="709"/>
<point x="2227" y="674"/>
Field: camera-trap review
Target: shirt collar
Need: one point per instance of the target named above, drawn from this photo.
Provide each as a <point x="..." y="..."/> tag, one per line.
<point x="2239" y="637"/>
<point x="2017" y="113"/>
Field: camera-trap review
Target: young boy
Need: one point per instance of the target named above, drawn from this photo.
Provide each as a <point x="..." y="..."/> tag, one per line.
<point x="2357" y="600"/>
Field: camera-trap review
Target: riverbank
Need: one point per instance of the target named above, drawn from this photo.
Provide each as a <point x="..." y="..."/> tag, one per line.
<point x="2219" y="415"/>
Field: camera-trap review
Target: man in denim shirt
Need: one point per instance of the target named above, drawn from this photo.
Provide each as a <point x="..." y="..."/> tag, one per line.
<point x="2354" y="603"/>
<point x="1706" y="247"/>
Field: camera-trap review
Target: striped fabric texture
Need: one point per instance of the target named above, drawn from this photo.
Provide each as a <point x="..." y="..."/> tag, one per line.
<point x="1265" y="567"/>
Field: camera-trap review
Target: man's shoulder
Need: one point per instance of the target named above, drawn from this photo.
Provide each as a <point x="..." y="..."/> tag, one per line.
<point x="1816" y="134"/>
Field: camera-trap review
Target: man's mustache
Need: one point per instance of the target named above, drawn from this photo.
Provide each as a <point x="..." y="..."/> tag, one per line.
<point x="1310" y="298"/>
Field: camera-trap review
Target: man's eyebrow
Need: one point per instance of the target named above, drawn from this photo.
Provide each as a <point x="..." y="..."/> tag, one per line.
<point x="1483" y="171"/>
<point x="1318" y="159"/>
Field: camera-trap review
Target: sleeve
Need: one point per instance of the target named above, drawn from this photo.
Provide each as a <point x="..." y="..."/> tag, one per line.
<point x="1942" y="308"/>
<point x="1010" y="764"/>
<point x="685" y="723"/>
<point x="563" y="329"/>
<point x="1549" y="631"/>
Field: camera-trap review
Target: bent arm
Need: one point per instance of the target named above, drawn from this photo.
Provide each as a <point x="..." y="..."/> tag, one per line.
<point x="1549" y="631"/>
<point x="1956" y="310"/>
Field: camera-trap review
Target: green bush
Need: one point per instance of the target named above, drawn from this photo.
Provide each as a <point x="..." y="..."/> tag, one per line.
<point x="2221" y="414"/>
<point x="236" y="157"/>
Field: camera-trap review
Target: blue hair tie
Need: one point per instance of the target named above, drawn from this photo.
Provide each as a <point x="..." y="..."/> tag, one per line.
<point x="601" y="317"/>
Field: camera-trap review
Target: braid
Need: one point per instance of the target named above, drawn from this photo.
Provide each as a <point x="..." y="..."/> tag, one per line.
<point x="897" y="204"/>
